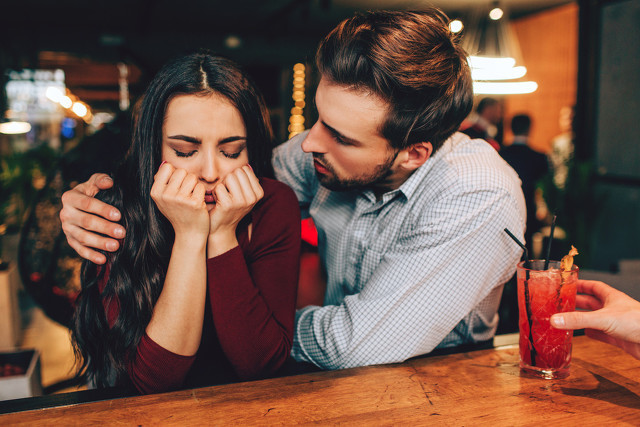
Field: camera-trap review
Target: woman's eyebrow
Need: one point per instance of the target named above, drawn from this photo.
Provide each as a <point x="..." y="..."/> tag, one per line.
<point x="232" y="139"/>
<point x="186" y="138"/>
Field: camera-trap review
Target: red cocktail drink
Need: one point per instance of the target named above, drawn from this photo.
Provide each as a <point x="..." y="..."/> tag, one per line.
<point x="544" y="350"/>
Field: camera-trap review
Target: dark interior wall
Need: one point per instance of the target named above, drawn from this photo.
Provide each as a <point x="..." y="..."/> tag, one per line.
<point x="618" y="93"/>
<point x="609" y="120"/>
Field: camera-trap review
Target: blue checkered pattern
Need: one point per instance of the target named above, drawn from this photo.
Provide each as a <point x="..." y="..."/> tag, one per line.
<point x="423" y="267"/>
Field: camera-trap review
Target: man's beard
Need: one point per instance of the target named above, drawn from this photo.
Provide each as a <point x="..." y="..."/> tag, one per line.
<point x="375" y="179"/>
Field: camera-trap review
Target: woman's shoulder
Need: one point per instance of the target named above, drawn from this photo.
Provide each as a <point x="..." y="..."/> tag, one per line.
<point x="278" y="204"/>
<point x="276" y="192"/>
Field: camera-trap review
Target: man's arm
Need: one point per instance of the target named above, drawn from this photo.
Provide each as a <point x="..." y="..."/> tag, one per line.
<point x="84" y="218"/>
<point x="422" y="287"/>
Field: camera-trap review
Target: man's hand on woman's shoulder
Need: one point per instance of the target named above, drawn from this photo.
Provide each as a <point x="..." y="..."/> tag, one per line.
<point x="86" y="221"/>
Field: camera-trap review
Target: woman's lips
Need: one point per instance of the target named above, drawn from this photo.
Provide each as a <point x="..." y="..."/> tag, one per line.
<point x="208" y="197"/>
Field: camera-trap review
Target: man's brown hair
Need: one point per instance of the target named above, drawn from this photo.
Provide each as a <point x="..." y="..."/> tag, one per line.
<point x="409" y="59"/>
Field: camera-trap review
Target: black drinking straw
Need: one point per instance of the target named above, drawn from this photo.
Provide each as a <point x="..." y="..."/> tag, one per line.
<point x="527" y="298"/>
<point x="546" y="260"/>
<point x="515" y="239"/>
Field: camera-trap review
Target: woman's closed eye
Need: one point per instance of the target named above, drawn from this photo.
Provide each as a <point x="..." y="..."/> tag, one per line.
<point x="234" y="155"/>
<point x="184" y="153"/>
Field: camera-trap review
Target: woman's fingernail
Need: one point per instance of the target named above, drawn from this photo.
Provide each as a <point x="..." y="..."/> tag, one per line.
<point x="119" y="232"/>
<point x="163" y="162"/>
<point x="112" y="246"/>
<point x="249" y="166"/>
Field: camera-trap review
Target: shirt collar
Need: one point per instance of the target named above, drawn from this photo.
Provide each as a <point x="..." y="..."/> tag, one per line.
<point x="416" y="179"/>
<point x="520" y="140"/>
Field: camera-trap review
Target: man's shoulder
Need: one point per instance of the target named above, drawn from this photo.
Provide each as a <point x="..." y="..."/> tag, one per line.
<point x="463" y="164"/>
<point x="469" y="157"/>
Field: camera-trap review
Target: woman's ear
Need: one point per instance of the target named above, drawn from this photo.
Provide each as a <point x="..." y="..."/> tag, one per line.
<point x="416" y="155"/>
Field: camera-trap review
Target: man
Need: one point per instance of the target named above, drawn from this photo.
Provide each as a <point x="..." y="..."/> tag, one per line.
<point x="410" y="217"/>
<point x="489" y="116"/>
<point x="530" y="166"/>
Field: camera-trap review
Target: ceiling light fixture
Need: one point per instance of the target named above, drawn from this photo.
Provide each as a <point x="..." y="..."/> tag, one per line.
<point x="456" y="26"/>
<point x="494" y="52"/>
<point x="14" y="128"/>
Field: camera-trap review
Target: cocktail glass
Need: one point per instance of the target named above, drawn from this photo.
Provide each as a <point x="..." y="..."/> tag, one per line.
<point x="545" y="351"/>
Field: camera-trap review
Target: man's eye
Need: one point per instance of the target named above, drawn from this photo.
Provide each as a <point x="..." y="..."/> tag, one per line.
<point x="340" y="140"/>
<point x="184" y="154"/>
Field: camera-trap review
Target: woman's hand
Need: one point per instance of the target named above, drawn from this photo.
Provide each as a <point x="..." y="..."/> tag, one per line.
<point x="179" y="195"/>
<point x="235" y="196"/>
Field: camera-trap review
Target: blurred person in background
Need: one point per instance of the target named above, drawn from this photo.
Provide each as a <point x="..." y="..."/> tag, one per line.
<point x="485" y="124"/>
<point x="530" y="166"/>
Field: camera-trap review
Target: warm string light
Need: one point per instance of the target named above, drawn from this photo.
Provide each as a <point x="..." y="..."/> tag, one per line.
<point x="69" y="102"/>
<point x="296" y="120"/>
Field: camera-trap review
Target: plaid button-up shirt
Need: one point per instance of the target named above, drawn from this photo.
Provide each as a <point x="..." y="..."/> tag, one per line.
<point x="420" y="268"/>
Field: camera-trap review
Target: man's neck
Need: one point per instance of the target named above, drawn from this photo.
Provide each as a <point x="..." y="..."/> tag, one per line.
<point x="392" y="182"/>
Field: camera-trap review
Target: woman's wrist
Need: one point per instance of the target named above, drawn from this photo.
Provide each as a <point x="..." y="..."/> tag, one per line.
<point x="191" y="240"/>
<point x="220" y="242"/>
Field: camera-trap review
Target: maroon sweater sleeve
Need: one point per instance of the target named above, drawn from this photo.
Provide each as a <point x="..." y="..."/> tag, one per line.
<point x="151" y="368"/>
<point x="253" y="294"/>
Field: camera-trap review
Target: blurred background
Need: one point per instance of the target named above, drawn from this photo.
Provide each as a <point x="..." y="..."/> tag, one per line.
<point x="71" y="70"/>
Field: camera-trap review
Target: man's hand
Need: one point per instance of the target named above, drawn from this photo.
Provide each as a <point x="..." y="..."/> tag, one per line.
<point x="83" y="217"/>
<point x="614" y="319"/>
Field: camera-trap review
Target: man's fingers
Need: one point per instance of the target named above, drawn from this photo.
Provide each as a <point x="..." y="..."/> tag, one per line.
<point x="73" y="219"/>
<point x="95" y="183"/>
<point x="91" y="239"/>
<point x="74" y="201"/>
<point x="86" y="253"/>
<point x="103" y="181"/>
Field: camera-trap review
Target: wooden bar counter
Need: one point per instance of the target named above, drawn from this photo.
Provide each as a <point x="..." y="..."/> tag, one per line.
<point x="478" y="387"/>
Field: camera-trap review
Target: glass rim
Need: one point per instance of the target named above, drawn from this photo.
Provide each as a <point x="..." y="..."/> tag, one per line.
<point x="520" y="265"/>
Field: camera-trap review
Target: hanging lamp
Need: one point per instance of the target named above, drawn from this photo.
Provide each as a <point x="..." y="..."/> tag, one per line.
<point x="494" y="54"/>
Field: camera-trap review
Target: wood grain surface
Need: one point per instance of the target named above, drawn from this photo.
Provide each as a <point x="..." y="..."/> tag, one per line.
<point x="476" y="388"/>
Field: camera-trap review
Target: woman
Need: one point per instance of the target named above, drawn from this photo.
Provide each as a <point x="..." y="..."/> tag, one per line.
<point x="203" y="289"/>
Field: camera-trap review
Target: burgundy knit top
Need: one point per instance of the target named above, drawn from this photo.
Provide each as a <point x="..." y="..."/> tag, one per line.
<point x="249" y="316"/>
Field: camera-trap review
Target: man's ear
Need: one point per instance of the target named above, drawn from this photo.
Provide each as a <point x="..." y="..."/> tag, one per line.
<point x="416" y="154"/>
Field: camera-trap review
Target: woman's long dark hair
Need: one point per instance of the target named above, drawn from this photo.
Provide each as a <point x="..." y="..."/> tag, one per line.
<point x="137" y="270"/>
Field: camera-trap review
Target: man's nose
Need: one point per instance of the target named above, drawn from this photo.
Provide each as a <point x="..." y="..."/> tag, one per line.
<point x="313" y="143"/>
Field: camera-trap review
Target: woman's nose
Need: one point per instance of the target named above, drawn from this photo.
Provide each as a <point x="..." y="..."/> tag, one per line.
<point x="209" y="171"/>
